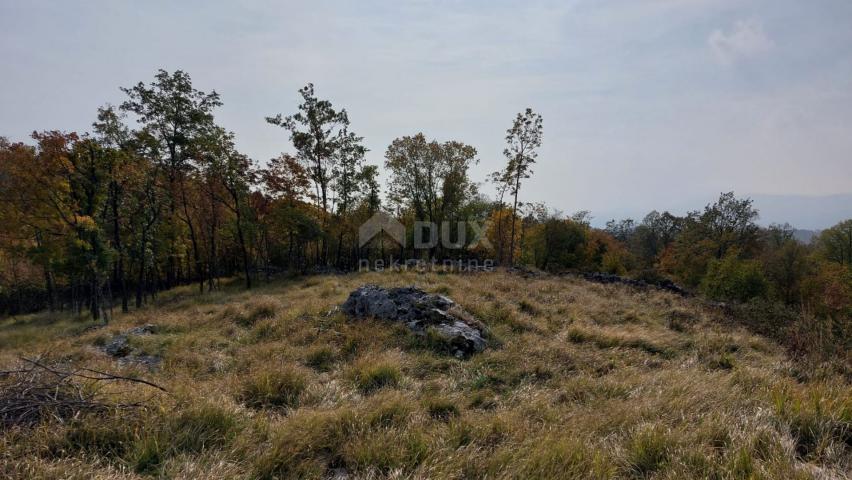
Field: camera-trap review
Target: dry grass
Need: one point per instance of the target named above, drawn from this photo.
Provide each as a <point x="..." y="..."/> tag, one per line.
<point x="583" y="381"/>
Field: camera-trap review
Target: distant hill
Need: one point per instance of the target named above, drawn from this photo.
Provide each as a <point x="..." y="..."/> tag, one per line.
<point x="804" y="211"/>
<point x="805" y="236"/>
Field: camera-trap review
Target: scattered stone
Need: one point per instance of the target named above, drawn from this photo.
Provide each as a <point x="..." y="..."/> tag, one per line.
<point x="422" y="313"/>
<point x="152" y="362"/>
<point x="609" y="278"/>
<point x="525" y="272"/>
<point x="119" y="347"/>
<point x="148" y="329"/>
<point x="339" y="474"/>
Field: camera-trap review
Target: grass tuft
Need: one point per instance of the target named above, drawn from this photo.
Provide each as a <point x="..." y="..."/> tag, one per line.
<point x="441" y="408"/>
<point x="321" y="358"/>
<point x="273" y="389"/>
<point x="371" y="375"/>
<point x="648" y="451"/>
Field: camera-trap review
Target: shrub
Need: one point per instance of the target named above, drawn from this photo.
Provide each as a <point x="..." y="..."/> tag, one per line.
<point x="270" y="389"/>
<point x="734" y="279"/>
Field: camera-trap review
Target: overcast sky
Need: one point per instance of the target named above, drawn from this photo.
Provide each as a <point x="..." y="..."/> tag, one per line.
<point x="646" y="103"/>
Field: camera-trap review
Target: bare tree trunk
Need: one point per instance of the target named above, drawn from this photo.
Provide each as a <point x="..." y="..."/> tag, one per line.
<point x="514" y="215"/>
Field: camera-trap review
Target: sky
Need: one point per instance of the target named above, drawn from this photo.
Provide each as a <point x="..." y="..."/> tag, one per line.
<point x="647" y="104"/>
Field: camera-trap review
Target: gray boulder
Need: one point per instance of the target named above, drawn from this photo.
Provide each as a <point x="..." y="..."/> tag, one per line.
<point x="435" y="316"/>
<point x="119" y="347"/>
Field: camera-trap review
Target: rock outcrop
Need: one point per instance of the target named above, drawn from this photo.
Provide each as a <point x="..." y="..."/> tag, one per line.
<point x="435" y="316"/>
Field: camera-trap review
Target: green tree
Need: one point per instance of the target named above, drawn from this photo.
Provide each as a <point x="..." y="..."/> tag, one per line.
<point x="523" y="139"/>
<point x="732" y="278"/>
<point x="175" y="117"/>
<point x="318" y="133"/>
<point x="233" y="172"/>
<point x="428" y="178"/>
<point x="835" y="243"/>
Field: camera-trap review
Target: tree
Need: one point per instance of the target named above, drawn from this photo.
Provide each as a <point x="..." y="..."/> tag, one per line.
<point x="652" y="236"/>
<point x="428" y="178"/>
<point x="175" y="116"/>
<point x="60" y="189"/>
<point x="286" y="182"/>
<point x="285" y="178"/>
<point x="835" y="243"/>
<point x="732" y="278"/>
<point x="730" y="223"/>
<point x="347" y="183"/>
<point x="786" y="265"/>
<point x="557" y="243"/>
<point x="232" y="171"/>
<point x="318" y="132"/>
<point x="501" y="182"/>
<point x="369" y="178"/>
<point x="523" y="140"/>
<point x="115" y="139"/>
<point x="621" y="230"/>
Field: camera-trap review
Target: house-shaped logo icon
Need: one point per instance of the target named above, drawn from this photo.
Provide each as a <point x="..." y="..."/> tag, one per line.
<point x="379" y="222"/>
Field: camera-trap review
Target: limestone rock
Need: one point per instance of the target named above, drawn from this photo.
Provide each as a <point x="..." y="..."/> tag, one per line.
<point x="425" y="314"/>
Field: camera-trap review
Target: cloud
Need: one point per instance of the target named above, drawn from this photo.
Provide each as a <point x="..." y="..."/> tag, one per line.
<point x="746" y="39"/>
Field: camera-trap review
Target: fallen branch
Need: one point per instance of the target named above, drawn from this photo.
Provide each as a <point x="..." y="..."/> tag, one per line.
<point x="38" y="391"/>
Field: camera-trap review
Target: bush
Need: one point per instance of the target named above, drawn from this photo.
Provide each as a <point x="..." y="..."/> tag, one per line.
<point x="282" y="389"/>
<point x="734" y="279"/>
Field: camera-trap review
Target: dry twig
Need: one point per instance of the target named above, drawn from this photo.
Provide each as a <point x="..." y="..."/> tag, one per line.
<point x="36" y="391"/>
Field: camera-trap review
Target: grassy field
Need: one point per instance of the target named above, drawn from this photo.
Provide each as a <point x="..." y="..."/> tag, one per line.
<point x="581" y="381"/>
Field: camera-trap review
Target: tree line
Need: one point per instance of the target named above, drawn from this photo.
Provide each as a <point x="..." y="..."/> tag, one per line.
<point x="157" y="195"/>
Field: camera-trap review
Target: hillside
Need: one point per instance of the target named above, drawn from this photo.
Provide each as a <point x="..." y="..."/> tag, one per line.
<point x="580" y="380"/>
